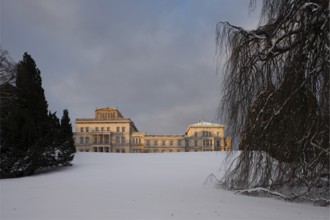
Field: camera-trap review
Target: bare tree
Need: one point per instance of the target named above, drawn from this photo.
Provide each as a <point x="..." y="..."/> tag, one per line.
<point x="276" y="98"/>
<point x="7" y="68"/>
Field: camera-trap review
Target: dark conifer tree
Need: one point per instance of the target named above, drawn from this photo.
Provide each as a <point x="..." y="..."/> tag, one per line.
<point x="30" y="121"/>
<point x="67" y="145"/>
<point x="31" y="137"/>
<point x="50" y="157"/>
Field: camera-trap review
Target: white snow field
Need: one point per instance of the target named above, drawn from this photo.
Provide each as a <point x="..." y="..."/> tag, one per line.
<point x="140" y="186"/>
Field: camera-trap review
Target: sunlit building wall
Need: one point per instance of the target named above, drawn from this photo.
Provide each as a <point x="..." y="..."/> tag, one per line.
<point x="109" y="131"/>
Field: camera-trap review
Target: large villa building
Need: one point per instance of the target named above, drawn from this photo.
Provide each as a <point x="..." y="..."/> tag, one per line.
<point x="109" y="131"/>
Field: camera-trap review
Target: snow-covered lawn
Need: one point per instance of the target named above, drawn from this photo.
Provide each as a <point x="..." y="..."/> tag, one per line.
<point x="139" y="186"/>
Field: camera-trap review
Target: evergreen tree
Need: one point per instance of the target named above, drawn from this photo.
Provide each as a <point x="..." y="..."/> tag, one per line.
<point x="67" y="144"/>
<point x="59" y="149"/>
<point x="50" y="156"/>
<point x="29" y="121"/>
<point x="31" y="137"/>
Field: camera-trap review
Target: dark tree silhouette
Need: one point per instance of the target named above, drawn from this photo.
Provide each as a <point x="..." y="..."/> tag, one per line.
<point x="276" y="98"/>
<point x="31" y="138"/>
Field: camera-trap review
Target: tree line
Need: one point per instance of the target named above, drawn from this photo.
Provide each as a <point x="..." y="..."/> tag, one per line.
<point x="31" y="136"/>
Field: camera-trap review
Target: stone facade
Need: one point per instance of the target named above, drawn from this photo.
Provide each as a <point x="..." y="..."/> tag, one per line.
<point x="109" y="131"/>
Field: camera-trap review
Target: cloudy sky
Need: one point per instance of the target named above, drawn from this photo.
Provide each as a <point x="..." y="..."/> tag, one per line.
<point x="154" y="60"/>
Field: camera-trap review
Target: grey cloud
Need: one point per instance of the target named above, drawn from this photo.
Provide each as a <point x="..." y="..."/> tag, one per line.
<point x="154" y="60"/>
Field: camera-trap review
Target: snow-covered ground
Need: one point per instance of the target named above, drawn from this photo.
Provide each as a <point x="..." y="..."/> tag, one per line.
<point x="139" y="186"/>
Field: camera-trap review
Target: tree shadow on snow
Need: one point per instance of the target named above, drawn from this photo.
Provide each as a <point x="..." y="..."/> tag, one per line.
<point x="53" y="170"/>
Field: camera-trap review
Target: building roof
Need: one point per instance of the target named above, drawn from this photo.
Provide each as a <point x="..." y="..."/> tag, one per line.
<point x="205" y="124"/>
<point x="107" y="108"/>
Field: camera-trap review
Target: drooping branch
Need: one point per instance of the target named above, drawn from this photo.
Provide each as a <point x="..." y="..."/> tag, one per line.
<point x="276" y="96"/>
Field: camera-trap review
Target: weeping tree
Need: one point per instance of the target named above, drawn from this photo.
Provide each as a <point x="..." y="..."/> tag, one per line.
<point x="276" y="99"/>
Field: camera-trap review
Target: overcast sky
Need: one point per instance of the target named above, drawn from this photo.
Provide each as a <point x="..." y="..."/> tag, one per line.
<point x="154" y="60"/>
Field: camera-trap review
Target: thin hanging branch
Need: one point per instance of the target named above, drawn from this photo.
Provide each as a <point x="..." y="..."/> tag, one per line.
<point x="276" y="96"/>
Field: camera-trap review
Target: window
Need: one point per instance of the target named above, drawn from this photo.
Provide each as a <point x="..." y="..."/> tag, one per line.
<point x="87" y="140"/>
<point x="97" y="129"/>
<point x="206" y="134"/>
<point x="81" y="129"/>
<point x="164" y="143"/>
<point x="179" y="142"/>
<point x="102" y="128"/>
<point x="118" y="129"/>
<point x="81" y="140"/>
<point x="123" y="140"/>
<point x="87" y="129"/>
<point x="207" y="143"/>
<point x="156" y="143"/>
<point x="123" y="129"/>
<point x="148" y="143"/>
<point x="195" y="143"/>
<point x="218" y="143"/>
<point x="108" y="128"/>
<point x="171" y="143"/>
<point x="106" y="139"/>
<point x="195" y="133"/>
<point x="117" y="140"/>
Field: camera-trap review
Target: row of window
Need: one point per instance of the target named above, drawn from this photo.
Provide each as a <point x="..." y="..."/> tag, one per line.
<point x="97" y="140"/>
<point x="118" y="129"/>
<point x="206" y="143"/>
<point x="206" y="134"/>
<point x="106" y="140"/>
<point x="123" y="129"/>
<point x="100" y="149"/>
<point x="163" y="143"/>
<point x="161" y="151"/>
<point x="102" y="140"/>
<point x="121" y="140"/>
<point x="136" y="140"/>
<point x="106" y="115"/>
